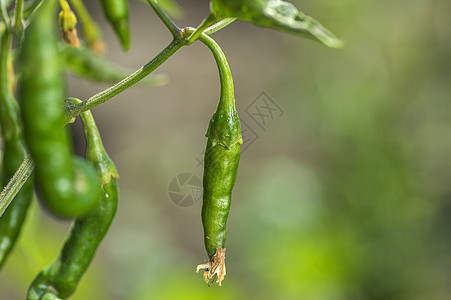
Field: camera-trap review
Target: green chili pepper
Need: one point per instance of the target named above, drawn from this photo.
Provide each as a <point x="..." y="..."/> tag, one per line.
<point x="116" y="11"/>
<point x="276" y="14"/>
<point x="60" y="278"/>
<point x="68" y="185"/>
<point x="49" y="296"/>
<point x="86" y="64"/>
<point x="221" y="160"/>
<point x="14" y="153"/>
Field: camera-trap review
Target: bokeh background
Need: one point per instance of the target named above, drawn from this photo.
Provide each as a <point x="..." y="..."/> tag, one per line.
<point x="344" y="194"/>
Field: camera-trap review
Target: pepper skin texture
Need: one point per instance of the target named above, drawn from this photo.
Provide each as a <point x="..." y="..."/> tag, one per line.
<point x="68" y="185"/>
<point x="60" y="279"/>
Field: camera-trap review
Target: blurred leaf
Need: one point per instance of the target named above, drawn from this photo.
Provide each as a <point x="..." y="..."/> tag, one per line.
<point x="276" y="14"/>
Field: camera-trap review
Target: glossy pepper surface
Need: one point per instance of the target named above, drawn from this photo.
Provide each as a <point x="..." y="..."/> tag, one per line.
<point x="69" y="186"/>
<point x="221" y="159"/>
<point x="60" y="278"/>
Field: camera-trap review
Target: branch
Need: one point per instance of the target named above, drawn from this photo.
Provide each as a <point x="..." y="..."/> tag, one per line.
<point x="15" y="184"/>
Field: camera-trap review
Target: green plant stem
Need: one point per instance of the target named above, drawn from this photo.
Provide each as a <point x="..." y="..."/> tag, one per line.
<point x="224" y="70"/>
<point x="18" y="17"/>
<point x="175" y="31"/>
<point x="219" y="25"/>
<point x="124" y="84"/>
<point x="208" y="26"/>
<point x="15" y="184"/>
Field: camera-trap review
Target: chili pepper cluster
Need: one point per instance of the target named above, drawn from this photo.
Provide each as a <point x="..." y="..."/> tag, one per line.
<point x="68" y="186"/>
<point x="85" y="189"/>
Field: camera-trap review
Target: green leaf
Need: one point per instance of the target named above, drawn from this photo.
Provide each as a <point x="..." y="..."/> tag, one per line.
<point x="87" y="64"/>
<point x="276" y="14"/>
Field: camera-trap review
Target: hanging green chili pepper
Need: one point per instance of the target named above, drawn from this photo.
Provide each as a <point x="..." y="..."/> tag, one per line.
<point x="277" y="14"/>
<point x="60" y="278"/>
<point x="14" y="153"/>
<point x="221" y="160"/>
<point x="69" y="186"/>
<point x="116" y="11"/>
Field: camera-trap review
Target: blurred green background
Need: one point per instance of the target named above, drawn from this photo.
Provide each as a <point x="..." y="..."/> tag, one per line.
<point x="345" y="195"/>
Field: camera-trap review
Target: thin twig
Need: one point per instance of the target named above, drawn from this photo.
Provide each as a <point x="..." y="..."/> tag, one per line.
<point x="219" y="25"/>
<point x="175" y="31"/>
<point x="207" y="22"/>
<point x="15" y="184"/>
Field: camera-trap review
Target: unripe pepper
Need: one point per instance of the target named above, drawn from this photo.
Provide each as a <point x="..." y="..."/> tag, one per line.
<point x="221" y="159"/>
<point x="116" y="12"/>
<point x="60" y="279"/>
<point x="69" y="186"/>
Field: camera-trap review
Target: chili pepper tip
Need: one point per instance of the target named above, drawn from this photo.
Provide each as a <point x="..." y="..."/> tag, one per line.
<point x="121" y="28"/>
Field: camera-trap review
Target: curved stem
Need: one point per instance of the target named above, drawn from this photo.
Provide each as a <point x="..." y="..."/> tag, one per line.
<point x="227" y="91"/>
<point x="208" y="26"/>
<point x="127" y="82"/>
<point x="175" y="31"/>
<point x="208" y="21"/>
